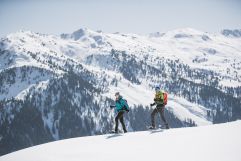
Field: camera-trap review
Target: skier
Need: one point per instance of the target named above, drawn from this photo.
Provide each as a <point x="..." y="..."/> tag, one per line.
<point x="160" y="106"/>
<point x="121" y="107"/>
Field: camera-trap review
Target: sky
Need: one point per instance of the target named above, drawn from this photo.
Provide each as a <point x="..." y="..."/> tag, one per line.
<point x="128" y="16"/>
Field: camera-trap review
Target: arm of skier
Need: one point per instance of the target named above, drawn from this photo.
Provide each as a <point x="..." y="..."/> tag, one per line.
<point x="112" y="106"/>
<point x="153" y="104"/>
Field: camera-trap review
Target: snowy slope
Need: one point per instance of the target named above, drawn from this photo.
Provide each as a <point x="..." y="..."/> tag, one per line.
<point x="219" y="142"/>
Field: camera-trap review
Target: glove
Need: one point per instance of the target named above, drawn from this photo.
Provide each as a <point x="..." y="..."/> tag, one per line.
<point x="111" y="106"/>
<point x="127" y="110"/>
<point x="152" y="104"/>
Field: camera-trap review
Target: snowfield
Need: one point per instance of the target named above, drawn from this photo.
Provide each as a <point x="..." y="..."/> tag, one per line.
<point x="219" y="142"/>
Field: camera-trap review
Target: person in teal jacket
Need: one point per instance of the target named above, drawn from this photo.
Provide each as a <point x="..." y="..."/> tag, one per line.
<point x="121" y="107"/>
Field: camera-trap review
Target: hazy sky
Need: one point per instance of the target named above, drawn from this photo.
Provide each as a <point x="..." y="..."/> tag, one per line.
<point x="135" y="16"/>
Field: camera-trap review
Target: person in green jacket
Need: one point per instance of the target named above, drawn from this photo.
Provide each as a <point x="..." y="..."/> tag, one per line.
<point x="160" y="106"/>
<point x="121" y="107"/>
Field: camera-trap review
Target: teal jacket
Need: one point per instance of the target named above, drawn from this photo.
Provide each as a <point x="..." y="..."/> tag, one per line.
<point x="121" y="104"/>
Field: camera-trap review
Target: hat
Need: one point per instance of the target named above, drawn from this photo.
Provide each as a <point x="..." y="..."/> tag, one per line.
<point x="157" y="88"/>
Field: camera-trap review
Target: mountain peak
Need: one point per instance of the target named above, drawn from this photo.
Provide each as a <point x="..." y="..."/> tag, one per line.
<point x="156" y="34"/>
<point x="78" y="34"/>
<point x="184" y="33"/>
<point x="231" y="33"/>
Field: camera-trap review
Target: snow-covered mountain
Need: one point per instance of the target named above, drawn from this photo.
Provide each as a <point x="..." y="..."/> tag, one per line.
<point x="210" y="143"/>
<point x="56" y="87"/>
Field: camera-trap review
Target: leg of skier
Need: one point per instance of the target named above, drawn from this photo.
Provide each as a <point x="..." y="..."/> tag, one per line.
<point x="161" y="111"/>
<point x="122" y="121"/>
<point x="153" y="118"/>
<point x="116" y="122"/>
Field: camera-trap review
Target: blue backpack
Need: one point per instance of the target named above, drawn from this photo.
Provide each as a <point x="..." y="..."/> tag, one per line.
<point x="122" y="104"/>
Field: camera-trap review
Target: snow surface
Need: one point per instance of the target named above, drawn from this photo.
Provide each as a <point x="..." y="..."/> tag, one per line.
<point x="220" y="142"/>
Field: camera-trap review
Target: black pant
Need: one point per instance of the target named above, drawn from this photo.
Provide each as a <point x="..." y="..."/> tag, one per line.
<point x="160" y="110"/>
<point x="118" y="117"/>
